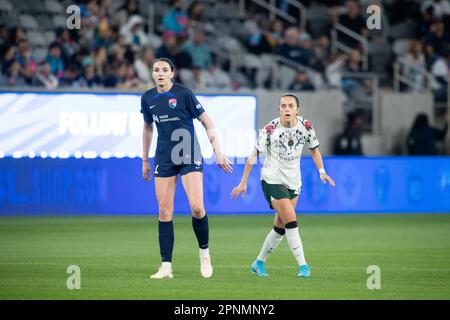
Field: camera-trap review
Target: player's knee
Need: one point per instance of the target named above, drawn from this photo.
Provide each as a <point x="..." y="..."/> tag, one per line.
<point x="165" y="213"/>
<point x="197" y="211"/>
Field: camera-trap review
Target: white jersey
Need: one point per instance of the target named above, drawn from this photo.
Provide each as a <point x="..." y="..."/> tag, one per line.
<point x="283" y="148"/>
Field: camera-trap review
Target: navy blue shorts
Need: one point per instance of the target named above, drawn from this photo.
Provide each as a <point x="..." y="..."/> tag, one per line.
<point x="165" y="171"/>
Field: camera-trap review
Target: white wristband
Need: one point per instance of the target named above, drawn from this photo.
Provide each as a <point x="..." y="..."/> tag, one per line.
<point x="322" y="170"/>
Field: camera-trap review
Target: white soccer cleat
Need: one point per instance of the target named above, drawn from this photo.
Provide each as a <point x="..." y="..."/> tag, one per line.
<point x="163" y="272"/>
<point x="206" y="268"/>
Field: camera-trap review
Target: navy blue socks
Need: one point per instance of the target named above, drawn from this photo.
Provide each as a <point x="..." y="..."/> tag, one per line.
<point x="201" y="230"/>
<point x="166" y="239"/>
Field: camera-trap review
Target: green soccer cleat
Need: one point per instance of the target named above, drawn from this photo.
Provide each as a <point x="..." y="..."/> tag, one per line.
<point x="259" y="268"/>
<point x="304" y="271"/>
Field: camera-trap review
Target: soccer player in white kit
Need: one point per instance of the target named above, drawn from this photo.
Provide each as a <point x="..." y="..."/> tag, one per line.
<point x="282" y="140"/>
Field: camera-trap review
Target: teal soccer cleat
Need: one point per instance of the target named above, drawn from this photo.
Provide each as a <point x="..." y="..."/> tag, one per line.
<point x="259" y="268"/>
<point x="304" y="271"/>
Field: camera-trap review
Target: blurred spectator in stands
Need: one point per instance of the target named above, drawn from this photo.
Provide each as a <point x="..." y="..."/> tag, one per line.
<point x="55" y="60"/>
<point x="89" y="78"/>
<point x="44" y="77"/>
<point x="352" y="20"/>
<point x="198" y="50"/>
<point x="70" y="78"/>
<point x="438" y="38"/>
<point x="195" y="12"/>
<point x="130" y="8"/>
<point x="349" y="141"/>
<point x="4" y="42"/>
<point x="8" y="58"/>
<point x="415" y="64"/>
<point x="422" y="139"/>
<point x="134" y="34"/>
<point x="68" y="46"/>
<point x="302" y="82"/>
<point x="130" y="80"/>
<point x="15" y="35"/>
<point x="143" y="65"/>
<point x="353" y="86"/>
<point x="11" y="70"/>
<point x="322" y="50"/>
<point x="291" y="49"/>
<point x="89" y="11"/>
<point x="115" y="76"/>
<point x="311" y="60"/>
<point x="440" y="70"/>
<point x="276" y="33"/>
<point x="176" y="20"/>
<point x="424" y="23"/>
<point x="104" y="37"/>
<point x="171" y="50"/>
<point x="117" y="49"/>
<point x="441" y="8"/>
<point x="401" y="11"/>
<point x="27" y="63"/>
<point x="100" y="59"/>
<point x="104" y="8"/>
<point x="259" y="39"/>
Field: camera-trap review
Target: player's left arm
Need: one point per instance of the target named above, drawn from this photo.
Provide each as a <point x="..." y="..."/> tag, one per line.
<point x="222" y="160"/>
<point x="318" y="161"/>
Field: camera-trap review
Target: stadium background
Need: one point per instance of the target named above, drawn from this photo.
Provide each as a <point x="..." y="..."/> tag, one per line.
<point x="361" y="88"/>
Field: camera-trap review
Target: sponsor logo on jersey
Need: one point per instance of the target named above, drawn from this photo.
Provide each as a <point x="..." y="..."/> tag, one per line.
<point x="173" y="103"/>
<point x="198" y="106"/>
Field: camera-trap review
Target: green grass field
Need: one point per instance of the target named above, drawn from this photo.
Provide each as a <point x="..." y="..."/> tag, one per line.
<point x="117" y="255"/>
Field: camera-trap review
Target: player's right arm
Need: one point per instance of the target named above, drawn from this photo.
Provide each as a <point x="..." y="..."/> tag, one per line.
<point x="242" y="186"/>
<point x="147" y="135"/>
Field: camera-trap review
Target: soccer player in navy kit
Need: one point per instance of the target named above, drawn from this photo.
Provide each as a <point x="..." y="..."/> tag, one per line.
<point x="172" y="107"/>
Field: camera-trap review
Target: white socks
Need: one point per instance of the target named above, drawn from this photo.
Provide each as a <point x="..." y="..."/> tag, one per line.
<point x="272" y="241"/>
<point x="203" y="252"/>
<point x="167" y="265"/>
<point x="295" y="243"/>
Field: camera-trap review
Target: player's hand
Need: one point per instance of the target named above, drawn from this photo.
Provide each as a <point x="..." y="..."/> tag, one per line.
<point x="324" y="177"/>
<point x="146" y="171"/>
<point x="240" y="188"/>
<point x="224" y="163"/>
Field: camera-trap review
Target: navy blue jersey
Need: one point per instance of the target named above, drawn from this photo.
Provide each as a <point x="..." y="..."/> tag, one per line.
<point x="173" y="113"/>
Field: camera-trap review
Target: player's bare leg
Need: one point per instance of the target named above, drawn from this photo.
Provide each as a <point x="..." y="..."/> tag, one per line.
<point x="165" y="193"/>
<point x="193" y="186"/>
<point x="285" y="210"/>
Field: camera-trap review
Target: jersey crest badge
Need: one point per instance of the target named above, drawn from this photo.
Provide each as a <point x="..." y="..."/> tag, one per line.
<point x="173" y="103"/>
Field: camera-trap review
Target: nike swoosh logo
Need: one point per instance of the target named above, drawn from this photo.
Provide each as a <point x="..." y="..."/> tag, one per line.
<point x="151" y="107"/>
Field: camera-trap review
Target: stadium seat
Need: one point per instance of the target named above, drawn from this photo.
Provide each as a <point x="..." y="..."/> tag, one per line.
<point x="35" y="7"/>
<point x="20" y="6"/>
<point x="402" y="30"/>
<point x="44" y="21"/>
<point x="317" y="21"/>
<point x="53" y="6"/>
<point x="36" y="39"/>
<point x="28" y="22"/>
<point x="39" y="54"/>
<point x="59" y="21"/>
<point x="380" y="55"/>
<point x="401" y="46"/>
<point x="10" y="21"/>
<point x="154" y="40"/>
<point x="49" y="36"/>
<point x="286" y="76"/>
<point x="5" y="8"/>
